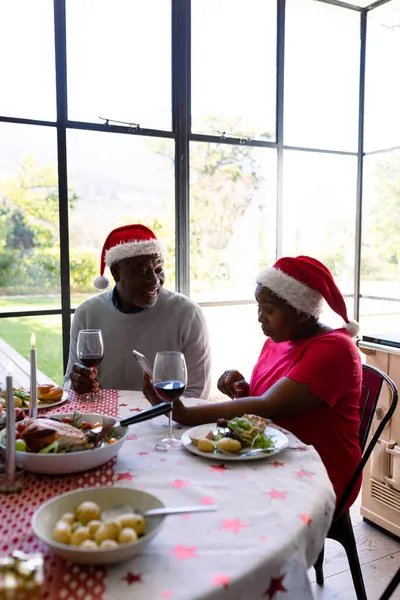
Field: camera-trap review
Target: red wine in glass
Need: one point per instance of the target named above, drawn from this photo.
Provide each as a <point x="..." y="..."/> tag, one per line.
<point x="90" y="360"/>
<point x="169" y="390"/>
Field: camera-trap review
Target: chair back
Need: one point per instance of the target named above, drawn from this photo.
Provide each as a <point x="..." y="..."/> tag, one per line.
<point x="372" y="382"/>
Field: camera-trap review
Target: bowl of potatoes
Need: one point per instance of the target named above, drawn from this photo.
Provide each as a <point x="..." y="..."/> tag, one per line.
<point x="73" y="527"/>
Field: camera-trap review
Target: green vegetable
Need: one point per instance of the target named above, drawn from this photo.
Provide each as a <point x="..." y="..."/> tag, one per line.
<point x="262" y="441"/>
<point x="240" y="424"/>
<point x="50" y="448"/>
<point x="20" y="445"/>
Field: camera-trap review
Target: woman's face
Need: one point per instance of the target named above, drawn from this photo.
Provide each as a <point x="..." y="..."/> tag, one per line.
<point x="279" y="321"/>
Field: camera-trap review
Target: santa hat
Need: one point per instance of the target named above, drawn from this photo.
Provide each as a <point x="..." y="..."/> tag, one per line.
<point x="126" y="242"/>
<point x="304" y="282"/>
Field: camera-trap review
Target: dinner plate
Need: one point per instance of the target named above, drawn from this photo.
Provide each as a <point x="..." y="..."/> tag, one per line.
<point x="280" y="440"/>
<point x="42" y="405"/>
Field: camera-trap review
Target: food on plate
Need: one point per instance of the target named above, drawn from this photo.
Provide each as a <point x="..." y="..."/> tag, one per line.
<point x="74" y="529"/>
<point x="228" y="444"/>
<point x="49" y="392"/>
<point x="241" y="433"/>
<point x="22" y="576"/>
<point x="59" y="435"/>
<point x="21" y="398"/>
<point x="206" y="445"/>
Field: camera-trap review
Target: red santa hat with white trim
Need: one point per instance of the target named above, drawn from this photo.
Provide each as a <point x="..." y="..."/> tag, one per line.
<point x="126" y="242"/>
<point x="304" y="282"/>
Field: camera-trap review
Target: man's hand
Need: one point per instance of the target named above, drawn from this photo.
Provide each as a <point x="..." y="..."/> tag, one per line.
<point x="83" y="380"/>
<point x="233" y="384"/>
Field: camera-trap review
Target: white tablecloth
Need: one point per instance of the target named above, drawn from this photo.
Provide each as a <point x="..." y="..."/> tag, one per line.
<point x="271" y="523"/>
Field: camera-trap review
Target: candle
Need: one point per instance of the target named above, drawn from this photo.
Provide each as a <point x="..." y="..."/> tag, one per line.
<point x="33" y="398"/>
<point x="10" y="424"/>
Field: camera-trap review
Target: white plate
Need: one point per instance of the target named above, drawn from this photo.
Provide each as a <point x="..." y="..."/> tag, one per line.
<point x="280" y="443"/>
<point x="42" y="405"/>
<point x="71" y="462"/>
<point x="51" y="511"/>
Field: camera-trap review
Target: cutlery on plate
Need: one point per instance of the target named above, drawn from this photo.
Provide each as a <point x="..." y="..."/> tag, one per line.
<point x="150" y="413"/>
<point x="112" y="513"/>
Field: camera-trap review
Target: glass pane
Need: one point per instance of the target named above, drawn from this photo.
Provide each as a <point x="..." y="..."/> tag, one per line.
<point x="227" y="353"/>
<point x="27" y="67"/>
<point x="15" y="333"/>
<point x="117" y="179"/>
<point x="380" y="259"/>
<point x="29" y="228"/>
<point x="319" y="212"/>
<point x="321" y="75"/>
<point x="232" y="216"/>
<point x="119" y="61"/>
<point x="382" y="92"/>
<point x="234" y="67"/>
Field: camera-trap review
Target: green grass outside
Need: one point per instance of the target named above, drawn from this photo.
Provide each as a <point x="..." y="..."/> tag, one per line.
<point x="17" y="331"/>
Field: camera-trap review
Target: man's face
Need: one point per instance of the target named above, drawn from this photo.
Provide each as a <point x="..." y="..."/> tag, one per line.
<point x="139" y="280"/>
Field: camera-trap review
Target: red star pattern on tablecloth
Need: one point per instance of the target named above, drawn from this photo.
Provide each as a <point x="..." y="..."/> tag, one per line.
<point x="207" y="500"/>
<point x="132" y="578"/>
<point x="305" y="517"/>
<point x="123" y="404"/>
<point x="142" y="453"/>
<point x="274" y="587"/>
<point x="135" y="410"/>
<point x="303" y="473"/>
<point x="277" y="495"/>
<point x="278" y="464"/>
<point x="234" y="525"/>
<point x="179" y="483"/>
<point x="166" y="594"/>
<point x="125" y="476"/>
<point x="131" y="437"/>
<point x="184" y="552"/>
<point x="221" y="579"/>
<point x="219" y="468"/>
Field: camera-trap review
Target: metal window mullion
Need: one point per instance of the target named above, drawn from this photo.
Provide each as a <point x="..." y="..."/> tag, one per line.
<point x="280" y="93"/>
<point x="61" y="95"/>
<point x="360" y="166"/>
<point x="181" y="76"/>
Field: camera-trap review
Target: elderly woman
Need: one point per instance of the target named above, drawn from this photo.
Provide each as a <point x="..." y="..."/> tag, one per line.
<point x="308" y="376"/>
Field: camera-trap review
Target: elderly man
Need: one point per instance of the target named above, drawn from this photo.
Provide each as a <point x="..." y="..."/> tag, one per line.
<point x="138" y="314"/>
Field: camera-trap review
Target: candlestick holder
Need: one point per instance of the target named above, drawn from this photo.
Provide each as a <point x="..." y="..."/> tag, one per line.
<point x="11" y="484"/>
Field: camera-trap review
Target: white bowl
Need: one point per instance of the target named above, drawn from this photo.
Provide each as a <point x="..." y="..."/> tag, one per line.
<point x="50" y="512"/>
<point x="72" y="462"/>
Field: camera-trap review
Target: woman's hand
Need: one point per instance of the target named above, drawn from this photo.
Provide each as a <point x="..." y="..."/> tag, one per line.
<point x="233" y="384"/>
<point x="83" y="380"/>
<point x="178" y="409"/>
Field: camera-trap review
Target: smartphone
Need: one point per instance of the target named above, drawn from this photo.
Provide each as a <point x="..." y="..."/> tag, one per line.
<point x="143" y="363"/>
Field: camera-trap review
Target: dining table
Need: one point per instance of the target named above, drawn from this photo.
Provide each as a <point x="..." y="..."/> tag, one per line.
<point x="271" y="519"/>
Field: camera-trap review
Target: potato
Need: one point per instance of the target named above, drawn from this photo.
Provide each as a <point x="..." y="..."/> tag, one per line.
<point x="80" y="535"/>
<point x="133" y="521"/>
<point x="206" y="445"/>
<point x="93" y="526"/>
<point x="75" y="526"/>
<point x="68" y="518"/>
<point x="127" y="535"/>
<point x="17" y="402"/>
<point x="88" y="545"/>
<point x="107" y="531"/>
<point x="108" y="544"/>
<point x="88" y="511"/>
<point x="229" y="445"/>
<point x="62" y="533"/>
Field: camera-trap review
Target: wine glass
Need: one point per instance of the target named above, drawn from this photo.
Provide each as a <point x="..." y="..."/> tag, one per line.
<point x="90" y="350"/>
<point x="169" y="380"/>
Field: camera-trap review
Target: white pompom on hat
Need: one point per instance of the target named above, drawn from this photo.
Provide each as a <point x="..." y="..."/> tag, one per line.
<point x="126" y="242"/>
<point x="304" y="282"/>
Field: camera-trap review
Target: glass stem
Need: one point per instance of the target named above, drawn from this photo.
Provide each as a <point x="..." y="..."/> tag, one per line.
<point x="170" y="425"/>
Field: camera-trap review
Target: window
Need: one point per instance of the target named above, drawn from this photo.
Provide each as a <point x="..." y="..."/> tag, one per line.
<point x="27" y="67"/>
<point x="232" y="218"/>
<point x="322" y="64"/>
<point x="16" y="332"/>
<point x="119" y="61"/>
<point x="319" y="211"/>
<point x="29" y="218"/>
<point x="234" y="67"/>
<point x="382" y="98"/>
<point x="380" y="259"/>
<point x="115" y="180"/>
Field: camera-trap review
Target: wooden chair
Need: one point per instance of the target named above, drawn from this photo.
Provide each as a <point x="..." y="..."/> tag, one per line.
<point x="341" y="529"/>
